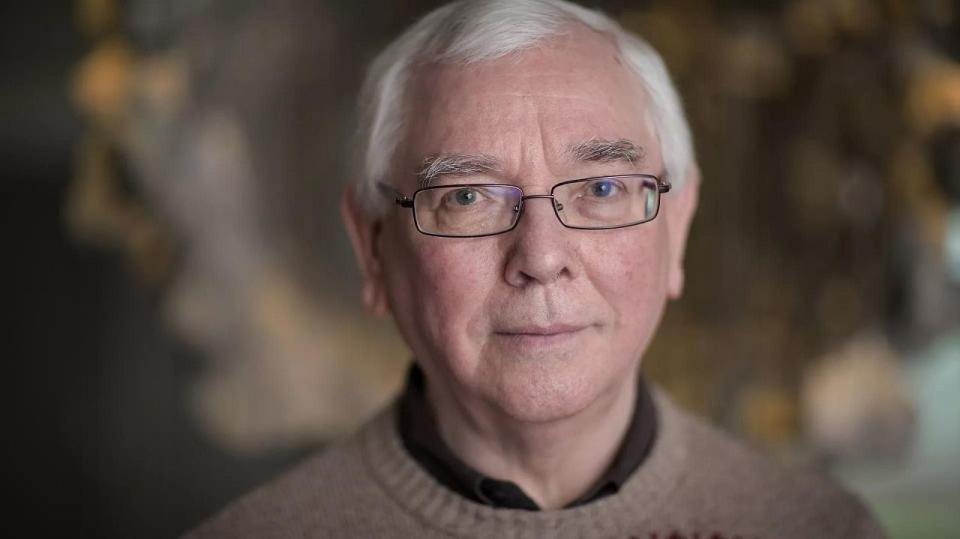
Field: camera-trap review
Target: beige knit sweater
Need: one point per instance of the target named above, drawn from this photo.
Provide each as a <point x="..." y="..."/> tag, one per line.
<point x="696" y="483"/>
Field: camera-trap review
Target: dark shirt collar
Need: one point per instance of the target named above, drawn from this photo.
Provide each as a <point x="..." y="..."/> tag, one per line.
<point x="418" y="429"/>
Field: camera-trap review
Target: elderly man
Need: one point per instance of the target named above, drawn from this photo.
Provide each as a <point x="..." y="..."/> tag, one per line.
<point x="526" y="187"/>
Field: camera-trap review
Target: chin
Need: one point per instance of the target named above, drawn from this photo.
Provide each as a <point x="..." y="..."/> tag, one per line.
<point x="543" y="394"/>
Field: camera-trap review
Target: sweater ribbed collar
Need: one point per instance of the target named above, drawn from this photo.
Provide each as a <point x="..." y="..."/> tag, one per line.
<point x="422" y="496"/>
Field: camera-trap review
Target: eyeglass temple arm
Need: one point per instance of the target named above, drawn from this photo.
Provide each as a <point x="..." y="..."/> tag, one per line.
<point x="401" y="199"/>
<point x="663" y="186"/>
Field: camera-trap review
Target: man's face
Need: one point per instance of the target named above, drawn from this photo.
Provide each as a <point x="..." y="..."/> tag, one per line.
<point x="540" y="322"/>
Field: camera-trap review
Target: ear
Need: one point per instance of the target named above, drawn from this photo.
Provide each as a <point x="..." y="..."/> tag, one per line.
<point x="364" y="233"/>
<point x="681" y="204"/>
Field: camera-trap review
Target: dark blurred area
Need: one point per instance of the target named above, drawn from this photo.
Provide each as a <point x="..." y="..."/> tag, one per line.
<point x="102" y="444"/>
<point x="185" y="320"/>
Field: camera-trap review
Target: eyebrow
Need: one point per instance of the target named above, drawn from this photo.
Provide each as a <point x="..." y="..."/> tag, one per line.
<point x="598" y="150"/>
<point x="608" y="151"/>
<point x="454" y="164"/>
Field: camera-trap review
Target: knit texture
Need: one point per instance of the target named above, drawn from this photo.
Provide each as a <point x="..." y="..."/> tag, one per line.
<point x="697" y="482"/>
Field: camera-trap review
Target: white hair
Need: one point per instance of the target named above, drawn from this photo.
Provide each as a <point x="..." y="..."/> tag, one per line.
<point x="469" y="31"/>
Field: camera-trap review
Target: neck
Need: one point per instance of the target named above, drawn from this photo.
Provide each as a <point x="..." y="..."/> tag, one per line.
<point x="554" y="462"/>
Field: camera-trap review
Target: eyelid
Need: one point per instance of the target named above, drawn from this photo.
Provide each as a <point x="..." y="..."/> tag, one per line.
<point x="452" y="192"/>
<point x="476" y="188"/>
<point x="605" y="179"/>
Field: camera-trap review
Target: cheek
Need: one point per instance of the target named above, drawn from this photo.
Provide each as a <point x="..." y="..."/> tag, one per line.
<point x="634" y="281"/>
<point x="446" y="284"/>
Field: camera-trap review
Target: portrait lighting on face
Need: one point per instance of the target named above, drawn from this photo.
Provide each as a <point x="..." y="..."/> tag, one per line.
<point x="524" y="187"/>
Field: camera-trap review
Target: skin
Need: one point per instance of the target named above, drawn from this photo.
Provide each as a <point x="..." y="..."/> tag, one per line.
<point x="530" y="341"/>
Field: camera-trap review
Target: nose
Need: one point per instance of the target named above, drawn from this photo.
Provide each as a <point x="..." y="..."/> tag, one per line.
<point x="540" y="249"/>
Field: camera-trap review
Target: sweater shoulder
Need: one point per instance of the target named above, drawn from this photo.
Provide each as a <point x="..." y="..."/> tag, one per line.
<point x="322" y="496"/>
<point x="735" y="477"/>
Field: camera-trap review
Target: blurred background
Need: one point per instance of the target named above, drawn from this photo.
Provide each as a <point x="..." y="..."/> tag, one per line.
<point x="183" y="306"/>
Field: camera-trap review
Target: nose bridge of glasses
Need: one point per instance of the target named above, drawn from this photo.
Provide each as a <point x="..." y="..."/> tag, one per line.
<point x="524" y="198"/>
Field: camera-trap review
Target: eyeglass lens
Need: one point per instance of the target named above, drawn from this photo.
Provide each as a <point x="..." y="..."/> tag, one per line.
<point x="484" y="209"/>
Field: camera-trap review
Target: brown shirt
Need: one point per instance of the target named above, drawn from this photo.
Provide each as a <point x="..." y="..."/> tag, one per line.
<point x="418" y="430"/>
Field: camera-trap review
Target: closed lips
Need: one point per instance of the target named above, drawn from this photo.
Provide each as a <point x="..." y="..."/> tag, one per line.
<point x="554" y="329"/>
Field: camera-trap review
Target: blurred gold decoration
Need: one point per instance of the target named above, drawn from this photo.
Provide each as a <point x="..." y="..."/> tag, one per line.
<point x="97" y="212"/>
<point x="814" y="26"/>
<point x="670" y="31"/>
<point x="796" y="114"/>
<point x="215" y="138"/>
<point x="916" y="193"/>
<point x="812" y="176"/>
<point x="162" y="83"/>
<point x="97" y="17"/>
<point x="673" y="356"/>
<point x="933" y="98"/>
<point x="809" y="26"/>
<point x="101" y="86"/>
<point x="932" y="101"/>
<point x="753" y="64"/>
<point x="768" y="414"/>
<point x="858" y="18"/>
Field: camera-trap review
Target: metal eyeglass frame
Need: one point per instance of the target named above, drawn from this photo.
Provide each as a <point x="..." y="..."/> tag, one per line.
<point x="409" y="202"/>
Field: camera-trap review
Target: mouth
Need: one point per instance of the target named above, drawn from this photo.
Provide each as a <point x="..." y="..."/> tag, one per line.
<point x="542" y="331"/>
<point x="538" y="336"/>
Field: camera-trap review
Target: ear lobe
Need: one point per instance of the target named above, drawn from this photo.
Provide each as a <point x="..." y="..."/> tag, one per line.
<point x="373" y="292"/>
<point x="682" y="206"/>
<point x="675" y="283"/>
<point x="364" y="233"/>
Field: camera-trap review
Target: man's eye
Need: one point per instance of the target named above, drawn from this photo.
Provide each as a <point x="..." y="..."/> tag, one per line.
<point x="464" y="197"/>
<point x="603" y="188"/>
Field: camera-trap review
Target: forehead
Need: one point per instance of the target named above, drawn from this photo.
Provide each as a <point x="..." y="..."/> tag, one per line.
<point x="565" y="90"/>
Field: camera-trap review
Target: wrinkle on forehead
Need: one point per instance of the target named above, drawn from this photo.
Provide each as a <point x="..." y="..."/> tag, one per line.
<point x="566" y="91"/>
<point x="530" y="95"/>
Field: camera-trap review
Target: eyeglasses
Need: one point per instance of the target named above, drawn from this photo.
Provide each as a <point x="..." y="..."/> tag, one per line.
<point x="476" y="210"/>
